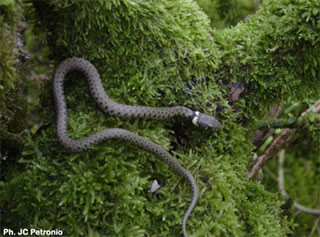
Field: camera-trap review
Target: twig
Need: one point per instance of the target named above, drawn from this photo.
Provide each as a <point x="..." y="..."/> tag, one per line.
<point x="314" y="226"/>
<point x="283" y="139"/>
<point x="283" y="192"/>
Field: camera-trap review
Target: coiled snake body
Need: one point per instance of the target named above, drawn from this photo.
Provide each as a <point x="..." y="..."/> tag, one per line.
<point x="120" y="110"/>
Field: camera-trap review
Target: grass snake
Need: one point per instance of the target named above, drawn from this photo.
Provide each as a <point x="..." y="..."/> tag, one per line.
<point x="121" y="110"/>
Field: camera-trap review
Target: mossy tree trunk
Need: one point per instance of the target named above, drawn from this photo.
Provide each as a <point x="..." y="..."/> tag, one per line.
<point x="164" y="53"/>
<point x="12" y="108"/>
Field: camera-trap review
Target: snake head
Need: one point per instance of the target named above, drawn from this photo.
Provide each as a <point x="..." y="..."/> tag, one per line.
<point x="206" y="121"/>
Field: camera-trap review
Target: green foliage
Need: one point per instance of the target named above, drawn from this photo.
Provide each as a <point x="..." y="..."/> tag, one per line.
<point x="40" y="69"/>
<point x="105" y="191"/>
<point x="275" y="54"/>
<point x="12" y="113"/>
<point x="224" y="13"/>
<point x="161" y="53"/>
<point x="301" y="165"/>
<point x="7" y="43"/>
<point x="302" y="177"/>
<point x="311" y="129"/>
<point x="8" y="6"/>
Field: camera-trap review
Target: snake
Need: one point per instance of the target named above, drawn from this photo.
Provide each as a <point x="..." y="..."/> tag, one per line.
<point x="121" y="110"/>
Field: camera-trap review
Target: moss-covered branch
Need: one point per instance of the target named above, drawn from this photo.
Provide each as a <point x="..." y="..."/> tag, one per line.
<point x="275" y="54"/>
<point x="12" y="102"/>
<point x="163" y="53"/>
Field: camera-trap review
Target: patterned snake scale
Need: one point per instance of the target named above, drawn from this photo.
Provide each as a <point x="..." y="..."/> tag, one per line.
<point x="120" y="110"/>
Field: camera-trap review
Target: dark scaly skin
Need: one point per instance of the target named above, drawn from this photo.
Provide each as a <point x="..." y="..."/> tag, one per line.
<point x="120" y="110"/>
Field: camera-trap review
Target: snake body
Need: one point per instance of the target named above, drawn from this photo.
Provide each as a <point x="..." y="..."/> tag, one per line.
<point x="120" y="110"/>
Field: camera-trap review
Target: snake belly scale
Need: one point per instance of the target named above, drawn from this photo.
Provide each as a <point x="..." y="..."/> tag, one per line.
<point x="120" y="110"/>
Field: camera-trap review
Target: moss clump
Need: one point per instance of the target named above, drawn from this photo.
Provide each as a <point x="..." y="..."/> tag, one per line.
<point x="159" y="53"/>
<point x="225" y="13"/>
<point x="275" y="54"/>
<point x="12" y="108"/>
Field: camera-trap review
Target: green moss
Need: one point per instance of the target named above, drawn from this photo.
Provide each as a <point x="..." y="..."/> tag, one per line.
<point x="8" y="76"/>
<point x="225" y="13"/>
<point x="12" y="108"/>
<point x="275" y="54"/>
<point x="162" y="53"/>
